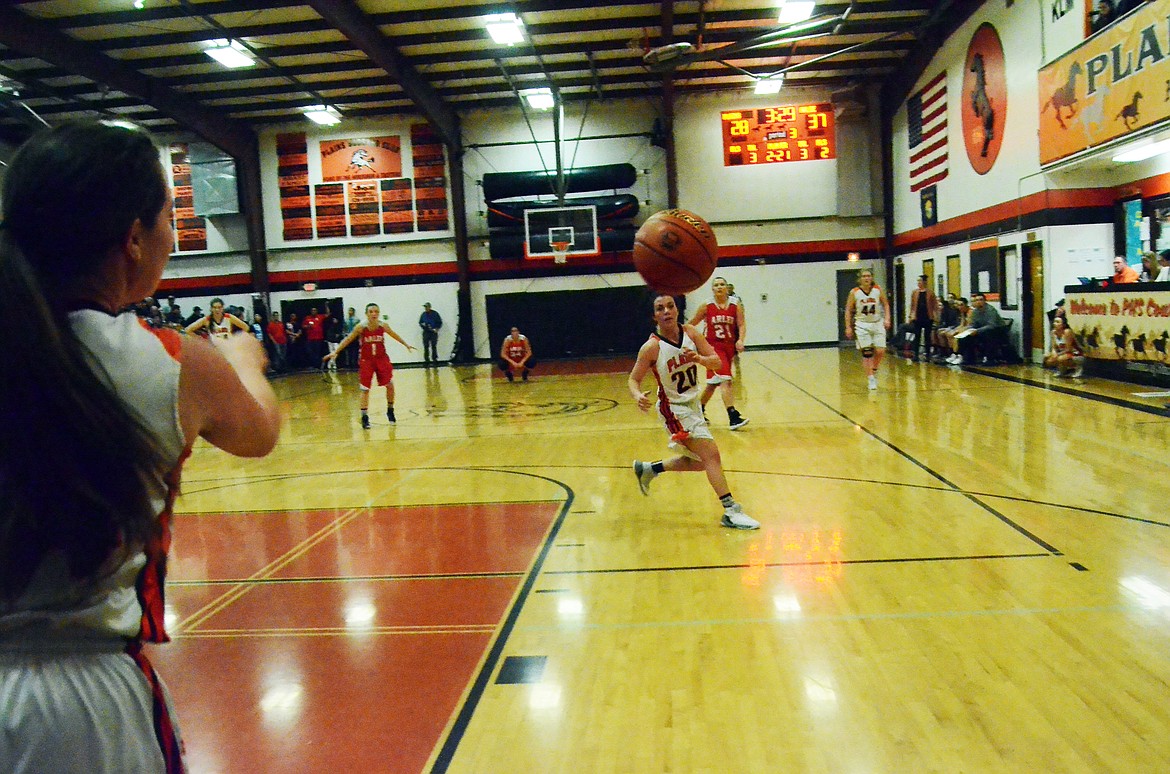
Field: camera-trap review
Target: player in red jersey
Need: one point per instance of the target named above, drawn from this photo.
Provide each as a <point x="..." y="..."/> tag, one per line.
<point x="516" y="355"/>
<point x="372" y="360"/>
<point x="725" y="328"/>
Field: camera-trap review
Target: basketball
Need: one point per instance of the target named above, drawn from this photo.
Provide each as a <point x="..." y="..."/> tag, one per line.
<point x="675" y="251"/>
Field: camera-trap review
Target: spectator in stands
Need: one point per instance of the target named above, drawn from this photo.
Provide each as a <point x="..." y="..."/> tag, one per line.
<point x="296" y="341"/>
<point x="952" y="322"/>
<point x="1163" y="267"/>
<point x="279" y="339"/>
<point x="174" y="318"/>
<point x="195" y="316"/>
<point x="1149" y="269"/>
<point x="1123" y="273"/>
<point x="313" y="327"/>
<point x="350" y="354"/>
<point x="923" y="316"/>
<point x="1101" y="16"/>
<point x="983" y="321"/>
<point x="333" y="337"/>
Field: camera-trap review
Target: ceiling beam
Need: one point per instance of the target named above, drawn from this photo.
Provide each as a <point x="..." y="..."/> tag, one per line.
<point x="358" y="28"/>
<point x="39" y="39"/>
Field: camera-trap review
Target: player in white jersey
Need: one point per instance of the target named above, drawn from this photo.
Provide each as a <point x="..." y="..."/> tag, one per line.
<point x="101" y="420"/>
<point x="867" y="319"/>
<point x="674" y="354"/>
<point x="219" y="324"/>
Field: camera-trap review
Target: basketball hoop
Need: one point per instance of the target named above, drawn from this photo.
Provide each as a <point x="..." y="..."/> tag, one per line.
<point x="560" y="252"/>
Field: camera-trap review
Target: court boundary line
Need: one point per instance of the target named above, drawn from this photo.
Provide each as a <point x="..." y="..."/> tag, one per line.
<point x="344" y="579"/>
<point x="811" y="476"/>
<point x="921" y="465"/>
<point x="824" y="563"/>
<point x="448" y="744"/>
<point x="1060" y="388"/>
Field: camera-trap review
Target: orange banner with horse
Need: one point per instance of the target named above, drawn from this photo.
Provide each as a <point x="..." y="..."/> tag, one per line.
<point x="1112" y="85"/>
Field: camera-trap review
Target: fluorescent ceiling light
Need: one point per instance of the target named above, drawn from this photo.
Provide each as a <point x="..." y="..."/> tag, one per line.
<point x="769" y="85"/>
<point x="505" y="28"/>
<point x="229" y="53"/>
<point x="323" y="114"/>
<point x="539" y="99"/>
<point x="793" y="11"/>
<point x="1143" y="152"/>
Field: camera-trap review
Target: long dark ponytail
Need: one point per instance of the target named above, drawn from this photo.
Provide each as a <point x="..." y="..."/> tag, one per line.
<point x="75" y="462"/>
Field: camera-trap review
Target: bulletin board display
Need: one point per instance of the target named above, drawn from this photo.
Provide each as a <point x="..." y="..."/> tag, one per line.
<point x="362" y="193"/>
<point x="773" y="135"/>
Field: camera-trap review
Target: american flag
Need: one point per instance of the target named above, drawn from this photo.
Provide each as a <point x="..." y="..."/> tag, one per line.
<point x="926" y="118"/>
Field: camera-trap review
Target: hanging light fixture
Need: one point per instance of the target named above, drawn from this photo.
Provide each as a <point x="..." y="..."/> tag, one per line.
<point x="230" y="53"/>
<point x="505" y="28"/>
<point x="326" y="115"/>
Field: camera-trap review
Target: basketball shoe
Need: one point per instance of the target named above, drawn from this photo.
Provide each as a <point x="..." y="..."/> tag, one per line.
<point x="734" y="517"/>
<point x="390" y="416"/>
<point x="365" y="422"/>
<point x="645" y="474"/>
<point x="735" y="419"/>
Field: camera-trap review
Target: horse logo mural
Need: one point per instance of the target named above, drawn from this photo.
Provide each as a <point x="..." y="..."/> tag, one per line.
<point x="1065" y="97"/>
<point x="985" y="100"/>
<point x="362" y="159"/>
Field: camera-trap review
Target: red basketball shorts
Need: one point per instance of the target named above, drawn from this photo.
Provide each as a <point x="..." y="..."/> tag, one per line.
<point x="379" y="366"/>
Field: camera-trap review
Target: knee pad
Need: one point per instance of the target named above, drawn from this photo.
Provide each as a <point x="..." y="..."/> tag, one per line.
<point x="867" y="351"/>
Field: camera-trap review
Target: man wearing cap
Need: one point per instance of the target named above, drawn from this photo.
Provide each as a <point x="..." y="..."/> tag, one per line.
<point x="430" y="322"/>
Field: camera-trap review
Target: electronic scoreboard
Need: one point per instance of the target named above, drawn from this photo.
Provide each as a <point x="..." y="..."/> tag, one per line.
<point x="775" y="134"/>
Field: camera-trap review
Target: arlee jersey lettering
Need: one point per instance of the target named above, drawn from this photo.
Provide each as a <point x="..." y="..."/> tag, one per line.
<point x="373" y="344"/>
<point x="722" y="323"/>
<point x="515" y="347"/>
<point x="867" y="307"/>
<point x="678" y="380"/>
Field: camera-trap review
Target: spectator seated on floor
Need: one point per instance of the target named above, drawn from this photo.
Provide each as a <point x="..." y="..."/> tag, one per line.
<point x="985" y="334"/>
<point x="1065" y="355"/>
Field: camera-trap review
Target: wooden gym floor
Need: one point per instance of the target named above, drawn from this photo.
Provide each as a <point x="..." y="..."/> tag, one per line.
<point x="959" y="572"/>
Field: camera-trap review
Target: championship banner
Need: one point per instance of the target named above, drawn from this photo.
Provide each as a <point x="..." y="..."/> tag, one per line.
<point x="329" y="200"/>
<point x="1110" y="86"/>
<point x="292" y="170"/>
<point x="362" y="201"/>
<point x="190" y="229"/>
<point x="397" y="206"/>
<point x="1120" y="325"/>
<point x="361" y="158"/>
<point x="430" y="178"/>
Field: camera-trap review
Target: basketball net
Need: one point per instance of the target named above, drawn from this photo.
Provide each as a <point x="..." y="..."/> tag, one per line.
<point x="560" y="252"/>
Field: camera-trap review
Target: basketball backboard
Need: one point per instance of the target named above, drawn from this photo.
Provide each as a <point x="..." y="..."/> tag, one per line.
<point x="576" y="226"/>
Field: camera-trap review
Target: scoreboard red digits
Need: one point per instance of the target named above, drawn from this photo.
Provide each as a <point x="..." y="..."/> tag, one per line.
<point x="774" y="134"/>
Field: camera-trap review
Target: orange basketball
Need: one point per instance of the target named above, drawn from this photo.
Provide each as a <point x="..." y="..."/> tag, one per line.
<point x="675" y="251"/>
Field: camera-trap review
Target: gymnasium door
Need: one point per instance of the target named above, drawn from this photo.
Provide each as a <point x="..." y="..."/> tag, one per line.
<point x="1035" y="339"/>
<point x="846" y="281"/>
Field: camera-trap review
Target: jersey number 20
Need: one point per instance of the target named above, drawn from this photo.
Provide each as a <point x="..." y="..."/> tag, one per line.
<point x="685" y="379"/>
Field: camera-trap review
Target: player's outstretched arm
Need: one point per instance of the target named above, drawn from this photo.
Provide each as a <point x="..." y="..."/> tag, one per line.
<point x="200" y="323"/>
<point x="646" y="357"/>
<point x="705" y="354"/>
<point x="741" y="324"/>
<point x="396" y="337"/>
<point x="357" y="331"/>
<point x="225" y="398"/>
<point x="885" y="307"/>
<point x="849" y="316"/>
